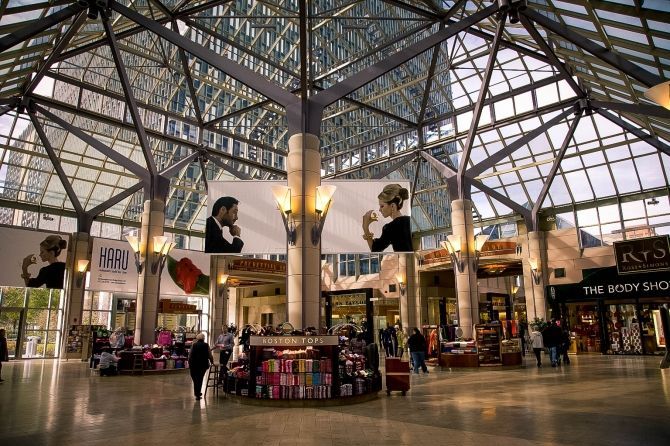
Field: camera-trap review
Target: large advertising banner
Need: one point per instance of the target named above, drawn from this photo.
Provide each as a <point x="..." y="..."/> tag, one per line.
<point x="357" y="211"/>
<point x="32" y="259"/>
<point x="255" y="228"/>
<point x="112" y="266"/>
<point x="185" y="273"/>
<point x="364" y="216"/>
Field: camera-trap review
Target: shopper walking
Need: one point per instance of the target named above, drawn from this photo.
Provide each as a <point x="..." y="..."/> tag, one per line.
<point x="199" y="359"/>
<point x="417" y="349"/>
<point x="537" y="344"/>
<point x="552" y="340"/>
<point x="565" y="343"/>
<point x="4" y="352"/>
<point x="523" y="329"/>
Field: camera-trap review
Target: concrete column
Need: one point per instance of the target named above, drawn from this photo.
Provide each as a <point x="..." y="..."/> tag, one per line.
<point x="535" y="301"/>
<point x="411" y="310"/>
<point x="304" y="258"/>
<point x="466" y="280"/>
<point x="80" y="249"/>
<point x="73" y="295"/>
<point x="148" y="283"/>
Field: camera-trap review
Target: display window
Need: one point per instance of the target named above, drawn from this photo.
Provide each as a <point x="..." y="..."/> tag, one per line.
<point x="583" y="320"/>
<point x="623" y="329"/>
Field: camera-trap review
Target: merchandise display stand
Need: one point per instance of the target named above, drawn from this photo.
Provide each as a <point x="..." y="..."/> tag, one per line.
<point x="488" y="344"/>
<point x="302" y="371"/>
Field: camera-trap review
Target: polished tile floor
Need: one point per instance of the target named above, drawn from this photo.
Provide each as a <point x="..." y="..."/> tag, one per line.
<point x="598" y="400"/>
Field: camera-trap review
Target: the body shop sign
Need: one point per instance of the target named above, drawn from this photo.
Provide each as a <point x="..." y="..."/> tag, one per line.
<point x="644" y="254"/>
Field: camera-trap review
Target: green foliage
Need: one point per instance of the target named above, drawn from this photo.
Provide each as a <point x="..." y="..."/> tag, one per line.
<point x="539" y="324"/>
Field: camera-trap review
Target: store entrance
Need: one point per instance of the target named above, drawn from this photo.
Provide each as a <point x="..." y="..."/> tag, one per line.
<point x="13" y="321"/>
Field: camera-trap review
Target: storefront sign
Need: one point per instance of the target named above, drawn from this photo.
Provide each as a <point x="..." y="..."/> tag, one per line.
<point x="626" y="288"/>
<point x="643" y="254"/>
<point x="257" y="266"/>
<point x="496" y="248"/>
<point x="297" y="341"/>
<point x="606" y="283"/>
<point x="349" y="300"/>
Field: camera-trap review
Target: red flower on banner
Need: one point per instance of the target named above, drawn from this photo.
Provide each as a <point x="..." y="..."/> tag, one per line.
<point x="187" y="275"/>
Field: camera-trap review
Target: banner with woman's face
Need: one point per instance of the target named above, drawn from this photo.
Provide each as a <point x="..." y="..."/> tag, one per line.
<point x="37" y="258"/>
<point x="356" y="210"/>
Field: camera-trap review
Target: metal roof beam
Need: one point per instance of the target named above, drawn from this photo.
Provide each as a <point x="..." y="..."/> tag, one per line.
<point x="552" y="173"/>
<point x="649" y="139"/>
<point x="121" y="160"/>
<point x="369" y="74"/>
<point x="33" y="28"/>
<point x="130" y="100"/>
<point x="233" y="69"/>
<point x="479" y="106"/>
<point x="550" y="54"/>
<point x="60" y="46"/>
<point x="493" y="159"/>
<point x="612" y="58"/>
<point x="57" y="165"/>
<point x="638" y="109"/>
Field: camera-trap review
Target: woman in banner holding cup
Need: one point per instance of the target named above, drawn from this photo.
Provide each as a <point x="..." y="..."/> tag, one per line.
<point x="398" y="232"/>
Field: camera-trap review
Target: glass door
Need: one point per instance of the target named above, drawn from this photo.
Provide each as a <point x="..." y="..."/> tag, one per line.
<point x="12" y="320"/>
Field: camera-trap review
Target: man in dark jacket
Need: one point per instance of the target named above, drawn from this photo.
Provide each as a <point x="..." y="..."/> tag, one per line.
<point x="224" y="215"/>
<point x="417" y="349"/>
<point x="199" y="359"/>
<point x="552" y="340"/>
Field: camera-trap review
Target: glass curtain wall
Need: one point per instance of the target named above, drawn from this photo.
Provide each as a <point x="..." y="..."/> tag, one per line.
<point x="31" y="318"/>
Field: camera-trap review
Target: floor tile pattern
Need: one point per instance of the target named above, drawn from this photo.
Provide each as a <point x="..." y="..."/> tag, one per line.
<point x="597" y="400"/>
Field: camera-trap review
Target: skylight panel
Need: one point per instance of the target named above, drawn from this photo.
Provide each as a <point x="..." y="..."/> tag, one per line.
<point x="579" y="23"/>
<point x="625" y="182"/>
<point x="558" y="192"/>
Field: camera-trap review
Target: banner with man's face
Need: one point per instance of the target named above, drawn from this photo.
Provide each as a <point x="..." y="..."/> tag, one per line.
<point x="246" y="218"/>
<point x="33" y="259"/>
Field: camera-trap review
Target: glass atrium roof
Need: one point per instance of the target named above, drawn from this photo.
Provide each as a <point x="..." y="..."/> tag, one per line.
<point x="528" y="108"/>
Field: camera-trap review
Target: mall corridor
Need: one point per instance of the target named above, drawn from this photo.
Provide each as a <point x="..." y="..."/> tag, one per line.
<point x="598" y="400"/>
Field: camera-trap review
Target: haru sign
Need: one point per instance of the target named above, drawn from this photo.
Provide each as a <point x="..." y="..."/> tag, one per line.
<point x="642" y="255"/>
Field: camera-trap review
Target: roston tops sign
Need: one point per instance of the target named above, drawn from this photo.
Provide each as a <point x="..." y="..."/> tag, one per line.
<point x="298" y="341"/>
<point x="643" y="254"/>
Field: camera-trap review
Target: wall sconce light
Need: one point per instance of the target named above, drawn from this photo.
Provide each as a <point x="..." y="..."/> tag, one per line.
<point x="535" y="270"/>
<point x="660" y="94"/>
<point x="282" y="195"/>
<point x="402" y="283"/>
<point x="453" y="246"/>
<point x="223" y="279"/>
<point x="479" y="244"/>
<point x="162" y="248"/>
<point x="324" y="195"/>
<point x="515" y="289"/>
<point x="135" y="245"/>
<point x="81" y="272"/>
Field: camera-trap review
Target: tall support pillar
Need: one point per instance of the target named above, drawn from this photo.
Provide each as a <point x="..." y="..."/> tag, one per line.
<point x="73" y="298"/>
<point x="216" y="295"/>
<point x="304" y="258"/>
<point x="80" y="244"/>
<point x="535" y="301"/>
<point x="148" y="282"/>
<point x="466" y="280"/>
<point x="411" y="310"/>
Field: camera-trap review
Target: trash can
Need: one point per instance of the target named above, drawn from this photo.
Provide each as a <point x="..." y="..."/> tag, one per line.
<point x="31" y="347"/>
<point x="397" y="375"/>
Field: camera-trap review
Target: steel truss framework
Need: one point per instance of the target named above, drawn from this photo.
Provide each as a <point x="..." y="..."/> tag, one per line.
<point x="518" y="106"/>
